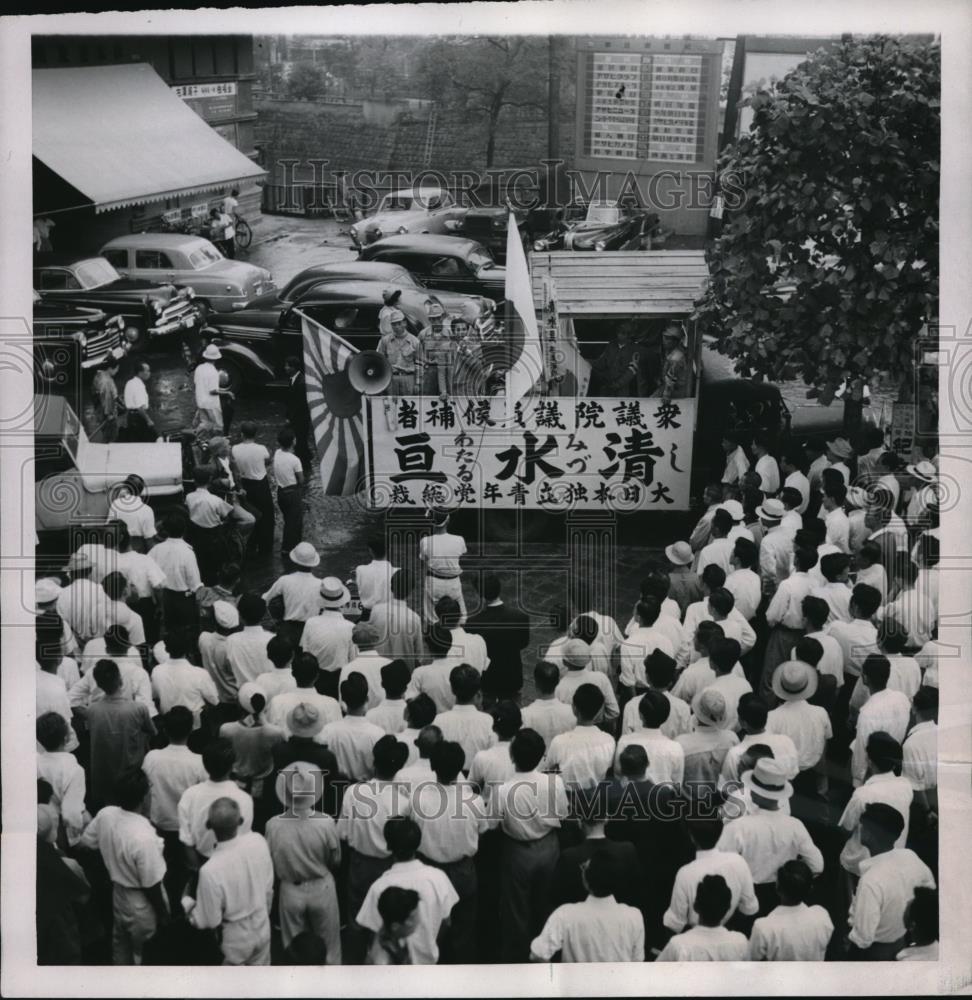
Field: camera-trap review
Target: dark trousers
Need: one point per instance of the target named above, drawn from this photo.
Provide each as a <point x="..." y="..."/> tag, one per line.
<point x="459" y="946"/>
<point x="179" y="610"/>
<point x="207" y="544"/>
<point x="527" y="868"/>
<point x="176" y="870"/>
<point x="146" y="609"/>
<point x="302" y="448"/>
<point x="291" y="507"/>
<point x="363" y="871"/>
<point x="261" y="502"/>
<point x="767" y="896"/>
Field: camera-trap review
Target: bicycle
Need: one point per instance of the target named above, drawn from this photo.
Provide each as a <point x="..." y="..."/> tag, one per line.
<point x="244" y="234"/>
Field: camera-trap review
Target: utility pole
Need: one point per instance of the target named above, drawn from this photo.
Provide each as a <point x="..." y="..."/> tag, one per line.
<point x="553" y="97"/>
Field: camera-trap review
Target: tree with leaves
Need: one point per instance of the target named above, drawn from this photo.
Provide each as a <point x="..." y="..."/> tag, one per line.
<point x="306" y="82"/>
<point x="486" y="76"/>
<point x="827" y="265"/>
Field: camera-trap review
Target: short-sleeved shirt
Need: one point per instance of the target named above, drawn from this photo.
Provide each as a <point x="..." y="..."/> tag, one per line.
<point x="193" y="812"/>
<point x="136" y="395"/>
<point x="141" y="571"/>
<point x="303" y="849"/>
<point x="352" y="741"/>
<point x="583" y="756"/>
<point x="206" y="509"/>
<point x="598" y="930"/>
<point x="301" y="594"/>
<point x="206" y="381"/>
<point x="400" y="351"/>
<point x="171" y="771"/>
<point x="441" y="553"/>
<point x="251" y="458"/>
<point x="798" y="933"/>
<point x="131" y="849"/>
<point x="177" y="560"/>
<point x="138" y="517"/>
<point x="286" y="466"/>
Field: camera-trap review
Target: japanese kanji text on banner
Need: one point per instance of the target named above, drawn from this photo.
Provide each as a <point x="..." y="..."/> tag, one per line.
<point x="555" y="454"/>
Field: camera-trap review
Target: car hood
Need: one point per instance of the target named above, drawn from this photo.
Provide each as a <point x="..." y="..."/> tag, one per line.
<point x="235" y="270"/>
<point x="257" y="316"/>
<point x="132" y="288"/>
<point x="104" y="465"/>
<point x="48" y="311"/>
<point x="388" y="222"/>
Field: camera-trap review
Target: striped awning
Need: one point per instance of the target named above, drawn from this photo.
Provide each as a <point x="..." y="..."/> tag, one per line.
<point x="120" y="136"/>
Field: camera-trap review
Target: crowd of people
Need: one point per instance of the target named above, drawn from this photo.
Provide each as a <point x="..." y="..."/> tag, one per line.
<point x="742" y="766"/>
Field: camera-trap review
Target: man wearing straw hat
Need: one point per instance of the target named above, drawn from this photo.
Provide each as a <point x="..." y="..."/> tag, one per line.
<point x="776" y="548"/>
<point x="923" y="480"/>
<point x="706" y="748"/>
<point x="328" y="635"/>
<point x="839" y="453"/>
<point x="306" y="851"/>
<point x="299" y="591"/>
<point x="685" y="587"/>
<point x="767" y="837"/>
<point x="209" y="414"/>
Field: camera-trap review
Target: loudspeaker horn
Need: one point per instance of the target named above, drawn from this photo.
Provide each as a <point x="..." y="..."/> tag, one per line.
<point x="369" y="373"/>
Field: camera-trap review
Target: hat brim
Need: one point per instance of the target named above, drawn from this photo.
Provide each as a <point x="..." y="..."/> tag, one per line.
<point x="337" y="602"/>
<point x="209" y="355"/>
<point x="672" y="558"/>
<point x="780" y="795"/>
<point x="784" y="695"/>
<point x="761" y="512"/>
<point x="913" y="470"/>
<point x="302" y="562"/>
<point x="280" y="790"/>
<point x="702" y="716"/>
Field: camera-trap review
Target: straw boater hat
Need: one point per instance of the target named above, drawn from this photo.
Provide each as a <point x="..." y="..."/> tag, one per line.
<point x="709" y="708"/>
<point x="46" y="591"/>
<point x="225" y="614"/>
<point x="335" y="594"/>
<point x="577" y="653"/>
<point x="247" y="691"/>
<point x="304" y="719"/>
<point x="734" y="509"/>
<point x="679" y="554"/>
<point x="768" y="780"/>
<point x="365" y="635"/>
<point x="924" y="471"/>
<point x="299" y="783"/>
<point x="212" y="353"/>
<point x="841" y="447"/>
<point x="795" y="680"/>
<point x="771" y="510"/>
<point x="304" y="554"/>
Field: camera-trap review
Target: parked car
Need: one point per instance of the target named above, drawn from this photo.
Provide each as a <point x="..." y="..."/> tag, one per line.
<point x="69" y="340"/>
<point x="411" y="210"/>
<point x="74" y="477"/>
<point x="219" y="284"/>
<point x="605" y="226"/>
<point x="255" y="342"/>
<point x="451" y="263"/>
<point x="148" y="308"/>
<point x="389" y="275"/>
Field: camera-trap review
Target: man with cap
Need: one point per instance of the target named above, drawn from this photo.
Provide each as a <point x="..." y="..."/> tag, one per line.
<point x="108" y="406"/>
<point x="685" y="586"/>
<point x="776" y="548"/>
<point x="235" y="888"/>
<point x="404" y="353"/>
<point x="302" y="726"/>
<point x="766" y="837"/>
<point x="587" y="629"/>
<point x="737" y="513"/>
<point x="839" y="453"/>
<point x="675" y="375"/>
<point x="808" y="726"/>
<point x="299" y="591"/>
<point x="437" y="355"/>
<point x="368" y="662"/>
<point x="705" y="749"/>
<point x="577" y="659"/>
<point x="440" y="553"/>
<point x="209" y="414"/>
<point x="212" y="652"/>
<point x="306" y="852"/>
<point x="83" y="604"/>
<point x="328" y="635"/>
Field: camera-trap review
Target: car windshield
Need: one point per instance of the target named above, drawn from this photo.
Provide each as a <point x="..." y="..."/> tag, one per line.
<point x="479" y="260"/>
<point x="607" y="214"/>
<point x="94" y="273"/>
<point x="203" y="256"/>
<point x="395" y="203"/>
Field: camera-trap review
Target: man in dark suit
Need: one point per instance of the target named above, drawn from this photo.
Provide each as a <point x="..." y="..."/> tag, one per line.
<point x="506" y="632"/>
<point x="298" y="412"/>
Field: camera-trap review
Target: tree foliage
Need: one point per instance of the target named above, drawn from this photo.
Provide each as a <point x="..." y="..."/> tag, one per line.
<point x="827" y="265"/>
<point x="306" y="82"/>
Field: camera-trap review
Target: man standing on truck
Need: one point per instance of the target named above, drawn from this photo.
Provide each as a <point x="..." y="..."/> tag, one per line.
<point x="438" y="353"/>
<point x="616" y="371"/>
<point x="675" y="368"/>
<point x="402" y="349"/>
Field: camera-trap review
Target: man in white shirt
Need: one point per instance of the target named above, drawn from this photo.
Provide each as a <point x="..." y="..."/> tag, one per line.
<point x="838" y="527"/>
<point x="737" y="464"/>
<point x="247" y="650"/>
<point x="792" y="521"/>
<point x="352" y="739"/>
<point x="816" y="613"/>
<point x="437" y="897"/>
<point x="776" y="547"/>
<point x="63" y="772"/>
<point x="129" y="506"/>
<point x="836" y="591"/>
<point x="583" y="755"/>
<point x="389" y="714"/>
<point x="885" y="711"/>
<point x="839" y="453"/>
<point x="766" y="467"/>
<point x="816" y="456"/>
<point x="252" y="461"/>
<point x="494" y="765"/>
<point x="209" y="414"/>
<point x="195" y="834"/>
<point x="280" y="706"/>
<point x="793" y="931"/>
<point x="808" y="726"/>
<point x="884" y="784"/>
<point x="743" y="583"/>
<point x="920" y="750"/>
<point x="373" y="579"/>
<point x="132" y="853"/>
<point x="857" y="637"/>
<point x="889" y="878"/>
<point x="83" y="604"/>
<point x="712" y="497"/>
<point x="529" y="809"/>
<point x="718" y="551"/>
<point x="753" y="716"/>
<point x="235" y="888"/>
<point x="466" y="647"/>
<point x="464" y="723"/>
<point x="660" y="674"/>
<point x="178" y="682"/>
<point x="585" y="628"/>
<point x="641" y="643"/>
<point x="598" y="930"/>
<point x="329" y="635"/>
<point x="398" y="625"/>
<point x="433" y="678"/>
<point x="577" y="658"/>
<point x="368" y="662"/>
<point x="794" y="466"/>
<point x="140" y="426"/>
<point x="724" y="659"/>
<point x="547" y="714"/>
<point x="440" y="553"/>
<point x="766" y="836"/>
<point x="709" y="941"/>
<point x="299" y="591"/>
<point x="666" y="758"/>
<point x="784" y="616"/>
<point x="177" y="561"/>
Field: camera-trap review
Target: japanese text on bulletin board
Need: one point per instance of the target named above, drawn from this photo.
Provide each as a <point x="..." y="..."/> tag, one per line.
<point x="549" y="454"/>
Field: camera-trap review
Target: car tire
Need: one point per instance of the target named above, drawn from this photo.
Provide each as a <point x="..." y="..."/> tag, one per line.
<point x="237" y="380"/>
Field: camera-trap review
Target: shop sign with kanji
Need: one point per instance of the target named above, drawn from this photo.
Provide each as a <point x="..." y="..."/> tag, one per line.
<point x="554" y="454"/>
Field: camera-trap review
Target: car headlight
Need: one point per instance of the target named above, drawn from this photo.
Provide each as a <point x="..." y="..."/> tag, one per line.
<point x="229" y="288"/>
<point x="131" y="334"/>
<point x="82" y="340"/>
<point x="402" y="230"/>
<point x="600" y="245"/>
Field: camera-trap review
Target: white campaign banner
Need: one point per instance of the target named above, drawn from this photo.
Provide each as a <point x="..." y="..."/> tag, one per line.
<point x="552" y="454"/>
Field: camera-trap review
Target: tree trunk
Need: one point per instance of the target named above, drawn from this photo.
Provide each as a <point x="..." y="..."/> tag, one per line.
<point x="495" y="107"/>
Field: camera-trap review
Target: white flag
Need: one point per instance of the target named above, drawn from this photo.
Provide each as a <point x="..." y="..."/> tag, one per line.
<point x="522" y="334"/>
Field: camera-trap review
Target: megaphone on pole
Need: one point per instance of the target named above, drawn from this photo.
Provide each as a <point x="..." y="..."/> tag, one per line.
<point x="366" y="374"/>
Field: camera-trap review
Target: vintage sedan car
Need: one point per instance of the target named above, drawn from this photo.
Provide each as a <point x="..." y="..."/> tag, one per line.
<point x="450" y="263"/>
<point x="605" y="226"/>
<point x="219" y="284"/>
<point x="149" y="308"/>
<point x="412" y="210"/>
<point x="255" y="342"/>
<point x="71" y="339"/>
